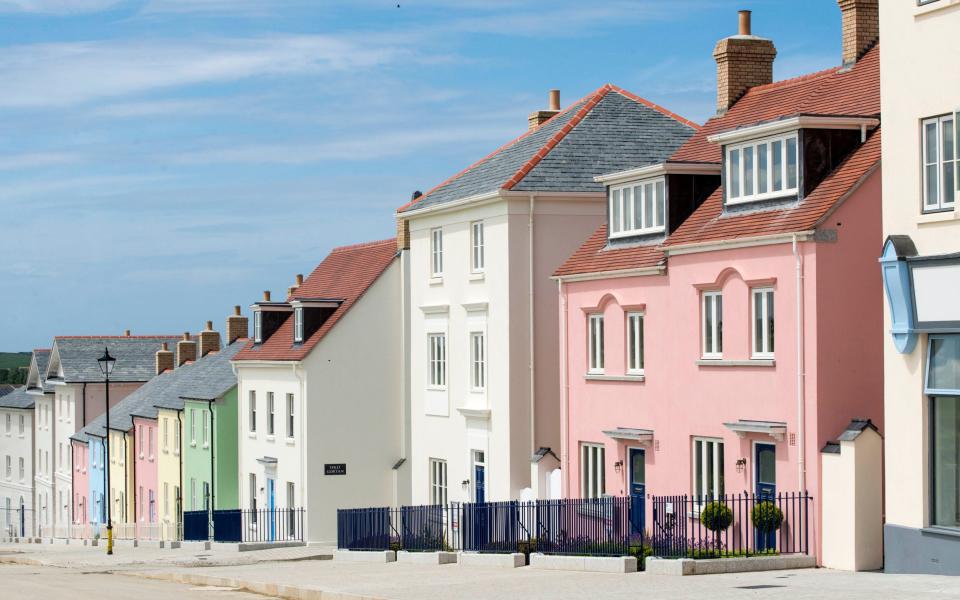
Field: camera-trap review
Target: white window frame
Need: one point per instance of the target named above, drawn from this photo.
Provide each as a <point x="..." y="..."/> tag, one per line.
<point x="298" y="324"/>
<point x="437" y="361"/>
<point x="756" y="195"/>
<point x="176" y="442"/>
<point x="950" y="122"/>
<point x="291" y="413"/>
<point x="700" y="484"/>
<point x="593" y="480"/>
<point x="436" y="252"/>
<point x="714" y="347"/>
<point x="438" y="481"/>
<point x="634" y="343"/>
<point x="648" y="195"/>
<point x="767" y="306"/>
<point x="205" y="427"/>
<point x="477" y="247"/>
<point x="193" y="427"/>
<point x="257" y="326"/>
<point x="252" y="411"/>
<point x="271" y="415"/>
<point x="166" y="435"/>
<point x="595" y="343"/>
<point x="478" y="361"/>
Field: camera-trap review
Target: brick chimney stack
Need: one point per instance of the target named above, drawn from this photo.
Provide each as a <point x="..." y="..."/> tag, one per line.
<point x="186" y="349"/>
<point x="126" y="333"/>
<point x="164" y="359"/>
<point x="296" y="286"/>
<point x="539" y="117"/>
<point x="237" y="326"/>
<point x="209" y="340"/>
<point x="743" y="61"/>
<point x="861" y="27"/>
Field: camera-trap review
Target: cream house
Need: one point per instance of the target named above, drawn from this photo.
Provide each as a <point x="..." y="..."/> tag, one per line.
<point x="920" y="95"/>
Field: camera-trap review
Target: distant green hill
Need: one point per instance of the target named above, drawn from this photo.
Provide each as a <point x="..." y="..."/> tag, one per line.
<point x="13" y="367"/>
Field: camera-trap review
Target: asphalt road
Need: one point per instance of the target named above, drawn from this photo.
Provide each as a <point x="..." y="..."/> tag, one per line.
<point x="52" y="583"/>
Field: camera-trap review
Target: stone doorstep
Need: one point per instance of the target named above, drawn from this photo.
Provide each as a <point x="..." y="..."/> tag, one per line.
<point x="503" y="561"/>
<point x="713" y="566"/>
<point x="427" y="558"/>
<point x="595" y="564"/>
<point x="374" y="556"/>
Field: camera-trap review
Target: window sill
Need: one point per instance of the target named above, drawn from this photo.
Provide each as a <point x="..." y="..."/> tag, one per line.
<point x="926" y="9"/>
<point x="477" y="276"/>
<point x="602" y="377"/>
<point x="719" y="362"/>
<point x="942" y="216"/>
<point x="436" y="388"/>
<point x="291" y="441"/>
<point x="436" y="281"/>
<point x="252" y="435"/>
<point x="271" y="438"/>
<point x="937" y="530"/>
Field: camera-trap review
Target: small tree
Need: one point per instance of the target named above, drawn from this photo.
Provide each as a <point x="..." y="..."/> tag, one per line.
<point x="766" y="517"/>
<point x="716" y="516"/>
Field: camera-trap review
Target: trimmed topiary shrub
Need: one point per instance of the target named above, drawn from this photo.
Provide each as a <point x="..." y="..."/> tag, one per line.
<point x="766" y="517"/>
<point x="716" y="516"/>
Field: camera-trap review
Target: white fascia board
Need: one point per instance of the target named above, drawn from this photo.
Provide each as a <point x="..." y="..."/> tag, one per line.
<point x="656" y="270"/>
<point x="264" y="363"/>
<point x="477" y="199"/>
<point x="746" y="242"/>
<point x="663" y="168"/>
<point x="742" y="134"/>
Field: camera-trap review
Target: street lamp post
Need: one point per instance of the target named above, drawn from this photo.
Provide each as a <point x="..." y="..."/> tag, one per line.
<point x="106" y="367"/>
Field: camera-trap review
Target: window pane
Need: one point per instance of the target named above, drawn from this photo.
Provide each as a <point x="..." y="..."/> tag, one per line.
<point x="615" y="212"/>
<point x="776" y="154"/>
<point x="932" y="196"/>
<point x="637" y="208"/>
<point x="719" y="323"/>
<point x="748" y="171"/>
<point x="648" y="205"/>
<point x="791" y="163"/>
<point x="946" y="461"/>
<point x="758" y="322"/>
<point x="948" y="165"/>
<point x="710" y="490"/>
<point x="708" y="323"/>
<point x="944" y="367"/>
<point x="640" y="342"/>
<point x="770" y="321"/>
<point x="719" y="468"/>
<point x="698" y="469"/>
<point x="627" y="201"/>
<point x="762" y="168"/>
<point x="661" y="201"/>
<point x="930" y="142"/>
<point x="734" y="173"/>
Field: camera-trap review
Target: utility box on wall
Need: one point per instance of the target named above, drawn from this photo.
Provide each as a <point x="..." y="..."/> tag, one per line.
<point x="852" y="470"/>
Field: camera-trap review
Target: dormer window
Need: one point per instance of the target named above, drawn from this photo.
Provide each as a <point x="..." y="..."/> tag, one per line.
<point x="298" y="324"/>
<point x="637" y="208"/>
<point x="257" y="327"/>
<point x="761" y="169"/>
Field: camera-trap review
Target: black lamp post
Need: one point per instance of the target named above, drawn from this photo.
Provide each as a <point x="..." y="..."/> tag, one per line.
<point x="106" y="367"/>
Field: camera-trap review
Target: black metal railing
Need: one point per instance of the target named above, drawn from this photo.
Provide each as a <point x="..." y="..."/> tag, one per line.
<point x="16" y="522"/>
<point x="424" y="528"/>
<point x="276" y="525"/>
<point x="196" y="525"/>
<point x="732" y="525"/>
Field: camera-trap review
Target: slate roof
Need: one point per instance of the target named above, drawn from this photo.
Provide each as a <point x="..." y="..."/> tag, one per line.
<point x="853" y="91"/>
<point x="167" y="390"/>
<point x="608" y="130"/>
<point x="17" y="398"/>
<point x="135" y="356"/>
<point x="346" y="274"/>
<point x="42" y="357"/>
<point x="6" y="388"/>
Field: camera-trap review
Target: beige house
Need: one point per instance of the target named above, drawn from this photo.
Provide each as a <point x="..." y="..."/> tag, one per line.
<point x="920" y="90"/>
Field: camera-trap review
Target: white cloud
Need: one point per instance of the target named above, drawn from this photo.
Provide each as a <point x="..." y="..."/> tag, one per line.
<point x="57" y="7"/>
<point x="71" y="73"/>
<point x="11" y="162"/>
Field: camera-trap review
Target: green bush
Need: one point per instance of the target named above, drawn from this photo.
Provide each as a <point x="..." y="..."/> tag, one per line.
<point x="716" y="517"/>
<point x="766" y="517"/>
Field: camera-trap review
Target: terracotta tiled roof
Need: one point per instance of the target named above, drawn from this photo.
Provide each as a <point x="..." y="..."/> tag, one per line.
<point x="594" y="257"/>
<point x="346" y="274"/>
<point x="837" y="91"/>
<point x="708" y="223"/>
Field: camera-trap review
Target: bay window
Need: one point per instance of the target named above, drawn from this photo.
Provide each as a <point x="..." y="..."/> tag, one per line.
<point x="762" y="169"/>
<point x="637" y="208"/>
<point x="939" y="161"/>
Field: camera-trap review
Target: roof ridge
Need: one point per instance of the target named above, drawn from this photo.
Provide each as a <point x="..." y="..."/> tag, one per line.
<point x="363" y="245"/>
<point x="550" y="144"/>
<point x="117" y="337"/>
<point x="526" y="133"/>
<point x="654" y="106"/>
<point x="41" y="350"/>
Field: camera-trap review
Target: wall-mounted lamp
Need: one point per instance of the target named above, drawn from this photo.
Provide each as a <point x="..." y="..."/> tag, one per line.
<point x="465" y="483"/>
<point x="618" y="466"/>
<point x="741" y="464"/>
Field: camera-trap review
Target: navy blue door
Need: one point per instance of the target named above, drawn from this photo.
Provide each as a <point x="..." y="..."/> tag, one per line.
<point x="765" y="477"/>
<point x="480" y="478"/>
<point x="638" y="489"/>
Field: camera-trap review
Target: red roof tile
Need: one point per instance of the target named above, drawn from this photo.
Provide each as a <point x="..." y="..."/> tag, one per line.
<point x="594" y="257"/>
<point x="346" y="273"/>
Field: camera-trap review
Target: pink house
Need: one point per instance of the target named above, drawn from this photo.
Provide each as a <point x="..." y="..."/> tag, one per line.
<point x="725" y="324"/>
<point x="81" y="486"/>
<point x="145" y="476"/>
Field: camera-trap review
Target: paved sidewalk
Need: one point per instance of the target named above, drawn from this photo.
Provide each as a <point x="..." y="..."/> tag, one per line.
<point x="356" y="581"/>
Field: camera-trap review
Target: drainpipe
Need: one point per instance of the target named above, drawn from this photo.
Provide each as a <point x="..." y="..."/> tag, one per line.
<point x="180" y="465"/>
<point x="564" y="392"/>
<point x="404" y="396"/>
<point x="302" y="440"/>
<point x="84" y="414"/>
<point x="533" y="440"/>
<point x="213" y="493"/>
<point x="801" y="408"/>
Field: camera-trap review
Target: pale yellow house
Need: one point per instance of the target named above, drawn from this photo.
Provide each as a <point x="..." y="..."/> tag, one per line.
<point x="169" y="468"/>
<point x="920" y="91"/>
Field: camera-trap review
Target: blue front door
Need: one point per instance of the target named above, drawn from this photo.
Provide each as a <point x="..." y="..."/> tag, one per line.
<point x="481" y="483"/>
<point x="765" y="476"/>
<point x="271" y="505"/>
<point x="638" y="489"/>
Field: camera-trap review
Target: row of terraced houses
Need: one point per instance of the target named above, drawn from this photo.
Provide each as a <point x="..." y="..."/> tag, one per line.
<point x="618" y="303"/>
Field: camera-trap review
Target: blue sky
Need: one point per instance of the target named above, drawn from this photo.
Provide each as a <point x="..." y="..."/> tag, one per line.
<point x="163" y="160"/>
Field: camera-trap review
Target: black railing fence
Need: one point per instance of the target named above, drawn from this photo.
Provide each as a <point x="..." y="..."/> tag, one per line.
<point x="16" y="522"/>
<point x="245" y="525"/>
<point x="666" y="526"/>
<point x="732" y="525"/>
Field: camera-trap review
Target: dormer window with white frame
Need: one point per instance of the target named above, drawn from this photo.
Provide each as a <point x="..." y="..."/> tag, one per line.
<point x="762" y="169"/>
<point x="298" y="324"/>
<point x="257" y="327"/>
<point x="637" y="208"/>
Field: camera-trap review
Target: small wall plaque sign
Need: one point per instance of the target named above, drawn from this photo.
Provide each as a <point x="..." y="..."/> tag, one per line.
<point x="335" y="469"/>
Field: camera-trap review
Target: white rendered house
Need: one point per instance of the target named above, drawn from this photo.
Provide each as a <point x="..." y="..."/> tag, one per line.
<point x="16" y="468"/>
<point x="319" y="392"/>
<point x="478" y="253"/>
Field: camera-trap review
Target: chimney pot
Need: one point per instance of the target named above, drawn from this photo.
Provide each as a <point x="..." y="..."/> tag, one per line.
<point x="237" y="326"/>
<point x="209" y="325"/>
<point x="186" y="336"/>
<point x="209" y="340"/>
<point x="744" y="28"/>
<point x="539" y="117"/>
<point x="163" y="346"/>
<point x="236" y="310"/>
<point x="299" y="279"/>
<point x="164" y="359"/>
<point x="266" y="295"/>
<point x="126" y="333"/>
<point x="555" y="99"/>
